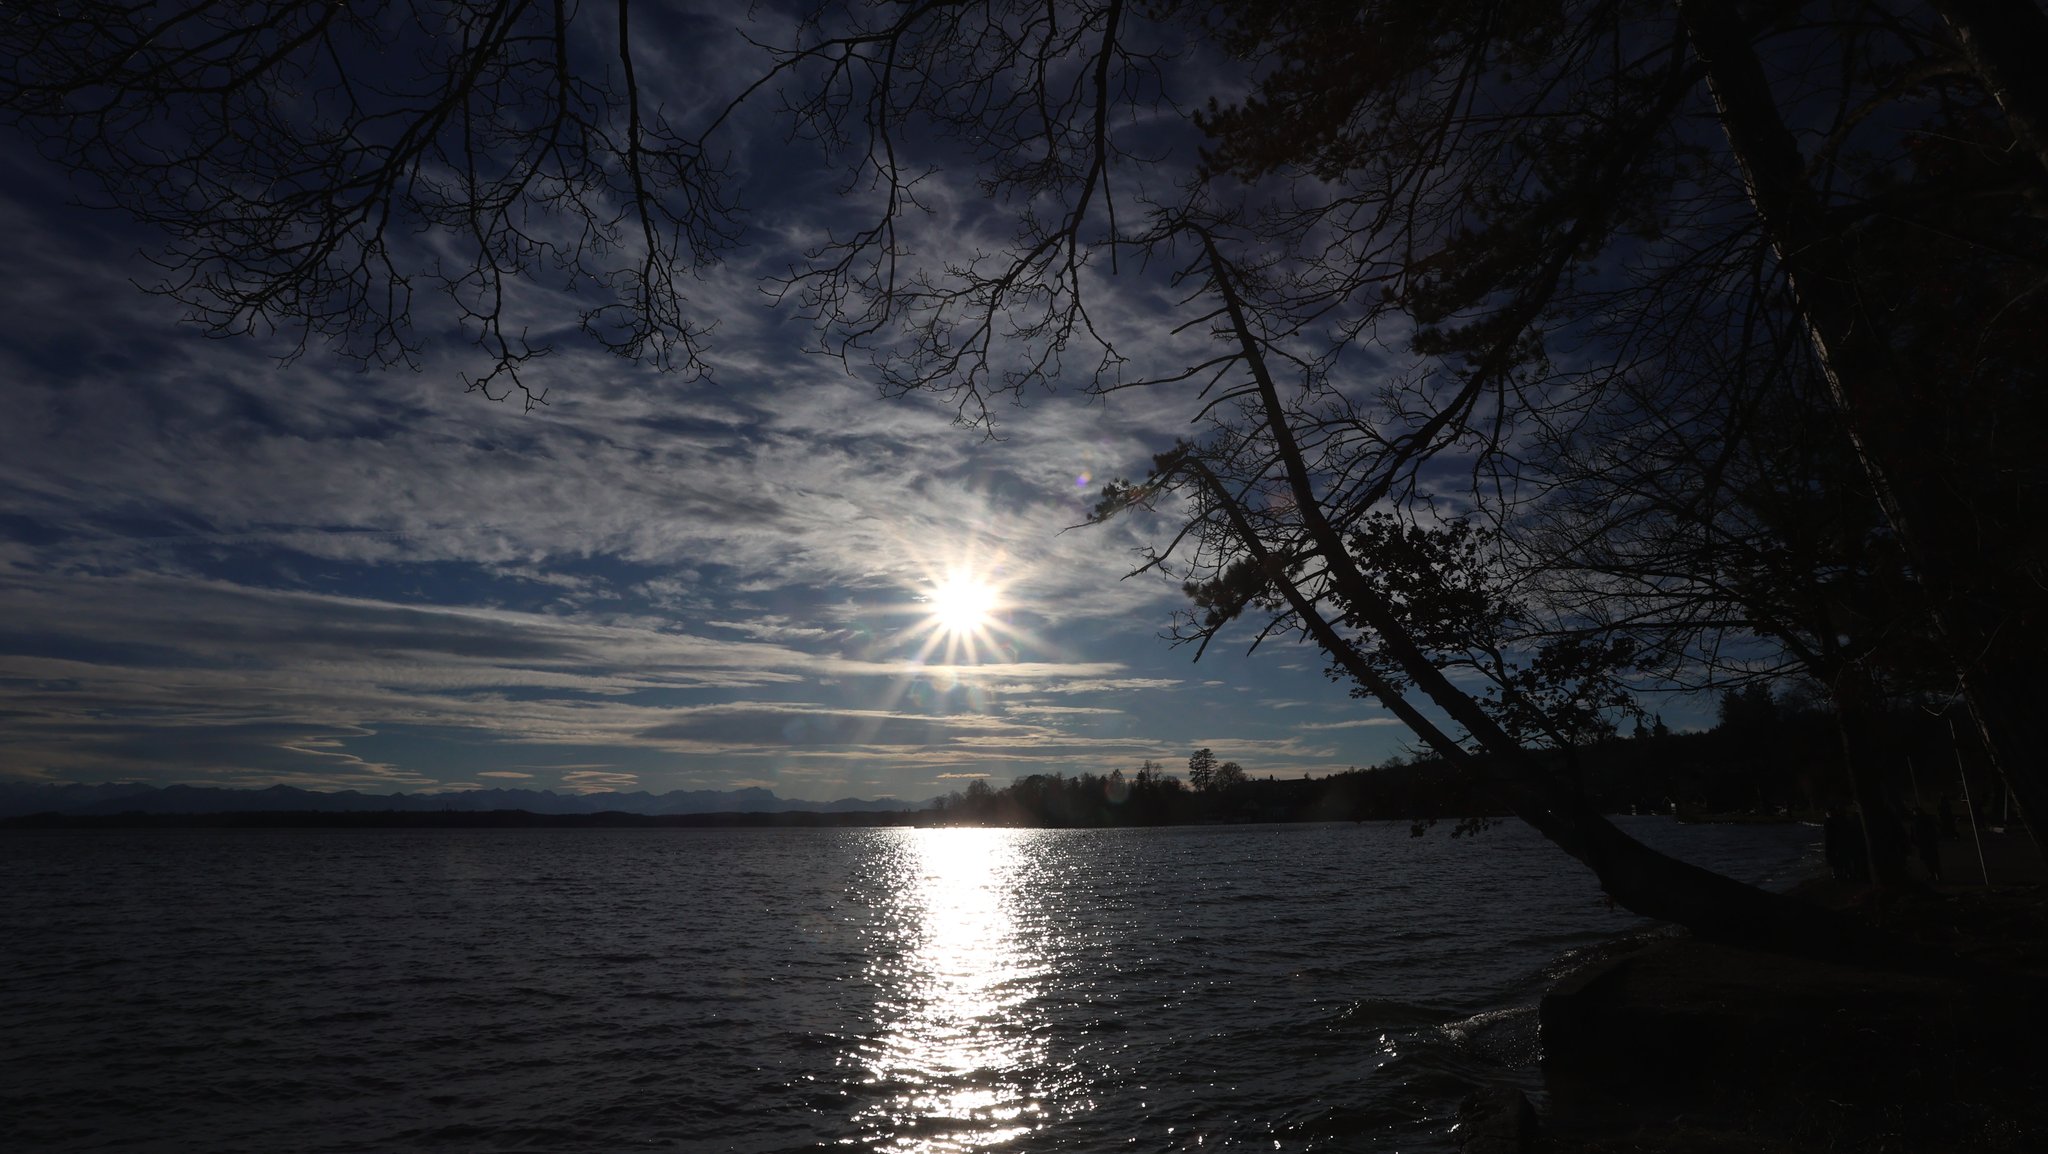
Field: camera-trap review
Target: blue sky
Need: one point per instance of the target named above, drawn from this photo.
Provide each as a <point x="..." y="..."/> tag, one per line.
<point x="221" y="566"/>
<point x="218" y="568"/>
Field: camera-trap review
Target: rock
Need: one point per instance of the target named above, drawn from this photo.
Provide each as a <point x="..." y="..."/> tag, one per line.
<point x="1496" y="1120"/>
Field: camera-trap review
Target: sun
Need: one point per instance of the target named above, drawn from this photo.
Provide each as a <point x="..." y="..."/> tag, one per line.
<point x="960" y="610"/>
<point x="961" y="604"/>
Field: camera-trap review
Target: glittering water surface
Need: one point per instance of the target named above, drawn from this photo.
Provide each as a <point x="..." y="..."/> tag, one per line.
<point x="1330" y="987"/>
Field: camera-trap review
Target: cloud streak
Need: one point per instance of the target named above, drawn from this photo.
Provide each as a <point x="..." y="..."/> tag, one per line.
<point x="223" y="569"/>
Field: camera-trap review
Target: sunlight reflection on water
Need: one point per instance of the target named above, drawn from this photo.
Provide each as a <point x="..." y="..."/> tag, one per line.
<point x="956" y="1052"/>
<point x="1317" y="989"/>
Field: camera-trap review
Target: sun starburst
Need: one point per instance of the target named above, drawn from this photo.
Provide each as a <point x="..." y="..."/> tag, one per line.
<point x="962" y="604"/>
<point x="963" y="610"/>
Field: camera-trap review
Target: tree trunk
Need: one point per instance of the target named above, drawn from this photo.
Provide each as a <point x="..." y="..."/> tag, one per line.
<point x="2001" y="705"/>
<point x="1637" y="877"/>
<point x="1858" y="718"/>
<point x="1854" y="360"/>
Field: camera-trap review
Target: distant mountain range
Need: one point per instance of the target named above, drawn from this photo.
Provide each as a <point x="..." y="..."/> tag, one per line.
<point x="19" y="798"/>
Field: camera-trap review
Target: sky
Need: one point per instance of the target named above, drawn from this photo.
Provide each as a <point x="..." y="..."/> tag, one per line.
<point x="220" y="566"/>
<point x="223" y="565"/>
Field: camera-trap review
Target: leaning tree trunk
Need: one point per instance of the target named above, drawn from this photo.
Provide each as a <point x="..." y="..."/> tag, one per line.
<point x="1856" y="365"/>
<point x="1637" y="877"/>
<point x="2006" y="44"/>
<point x="1859" y="717"/>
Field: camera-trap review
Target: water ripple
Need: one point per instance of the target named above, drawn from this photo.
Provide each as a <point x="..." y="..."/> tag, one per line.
<point x="1296" y="988"/>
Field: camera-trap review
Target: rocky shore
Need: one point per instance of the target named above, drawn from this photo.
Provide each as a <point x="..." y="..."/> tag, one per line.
<point x="1668" y="1045"/>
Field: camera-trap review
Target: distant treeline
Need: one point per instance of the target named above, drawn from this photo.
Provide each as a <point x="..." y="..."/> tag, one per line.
<point x="1152" y="796"/>
<point x="1768" y="755"/>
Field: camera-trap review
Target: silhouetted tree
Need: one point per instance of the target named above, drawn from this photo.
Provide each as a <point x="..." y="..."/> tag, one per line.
<point x="1507" y="232"/>
<point x="1748" y="710"/>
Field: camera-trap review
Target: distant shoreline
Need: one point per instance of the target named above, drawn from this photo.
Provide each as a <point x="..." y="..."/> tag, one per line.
<point x="525" y="819"/>
<point x="465" y="819"/>
<point x="619" y="819"/>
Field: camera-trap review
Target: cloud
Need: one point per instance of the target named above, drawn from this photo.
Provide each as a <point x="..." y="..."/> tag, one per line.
<point x="1099" y="685"/>
<point x="216" y="567"/>
<point x="776" y="629"/>
<point x="598" y="781"/>
<point x="238" y="682"/>
<point x="755" y="724"/>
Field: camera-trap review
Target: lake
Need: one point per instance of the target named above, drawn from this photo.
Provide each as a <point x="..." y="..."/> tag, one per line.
<point x="1303" y="987"/>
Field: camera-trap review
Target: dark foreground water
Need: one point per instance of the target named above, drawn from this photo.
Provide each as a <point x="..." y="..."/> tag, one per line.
<point x="1328" y="987"/>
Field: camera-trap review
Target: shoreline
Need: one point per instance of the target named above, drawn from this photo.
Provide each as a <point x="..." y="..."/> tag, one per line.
<point x="1663" y="1044"/>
